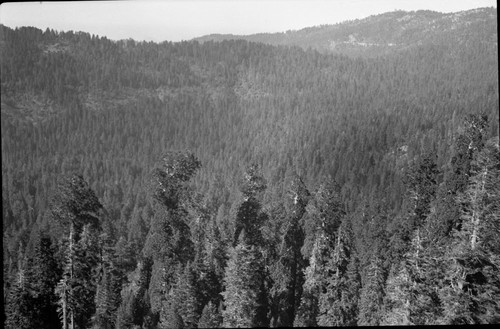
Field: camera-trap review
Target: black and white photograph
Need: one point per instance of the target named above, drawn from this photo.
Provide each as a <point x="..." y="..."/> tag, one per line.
<point x="249" y="163"/>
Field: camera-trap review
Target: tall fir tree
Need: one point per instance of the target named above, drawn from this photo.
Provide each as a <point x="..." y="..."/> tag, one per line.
<point x="288" y="276"/>
<point x="210" y="317"/>
<point x="397" y="298"/>
<point x="44" y="271"/>
<point x="169" y="240"/>
<point x="338" y="297"/>
<point x="324" y="216"/>
<point x="249" y="214"/>
<point x="470" y="139"/>
<point x="110" y="277"/>
<point x="18" y="310"/>
<point x="76" y="208"/>
<point x="134" y="307"/>
<point x="243" y="283"/>
<point x="372" y="293"/>
<point x="472" y="293"/>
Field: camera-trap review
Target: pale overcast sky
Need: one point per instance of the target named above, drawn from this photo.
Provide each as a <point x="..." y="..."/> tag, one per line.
<point x="176" y="20"/>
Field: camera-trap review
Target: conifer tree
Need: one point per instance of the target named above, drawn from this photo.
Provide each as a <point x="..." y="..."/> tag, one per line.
<point x="397" y="299"/>
<point x="18" y="310"/>
<point x="413" y="285"/>
<point x="64" y="289"/>
<point x="339" y="294"/>
<point x="84" y="281"/>
<point x="249" y="216"/>
<point x="288" y="276"/>
<point x="76" y="207"/>
<point x="352" y="291"/>
<point x="110" y="276"/>
<point x="31" y="301"/>
<point x="189" y="299"/>
<point x="18" y="307"/>
<point x="209" y="268"/>
<point x="210" y="317"/>
<point x="325" y="213"/>
<point x="472" y="293"/>
<point x="421" y="181"/>
<point x="308" y="310"/>
<point x="169" y="240"/>
<point x="245" y="292"/>
<point x="170" y="317"/>
<point x="124" y="315"/>
<point x="372" y="294"/>
<point x="43" y="272"/>
<point x="469" y="141"/>
<point x="134" y="307"/>
<point x="243" y="282"/>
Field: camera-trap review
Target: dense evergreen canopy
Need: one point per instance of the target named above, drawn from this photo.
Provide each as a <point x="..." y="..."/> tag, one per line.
<point x="318" y="189"/>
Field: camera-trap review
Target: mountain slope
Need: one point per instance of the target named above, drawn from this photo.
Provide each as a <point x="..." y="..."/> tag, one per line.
<point x="75" y="102"/>
<point x="385" y="33"/>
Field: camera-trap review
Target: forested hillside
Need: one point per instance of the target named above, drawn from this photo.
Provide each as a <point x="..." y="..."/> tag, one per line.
<point x="385" y="33"/>
<point x="235" y="183"/>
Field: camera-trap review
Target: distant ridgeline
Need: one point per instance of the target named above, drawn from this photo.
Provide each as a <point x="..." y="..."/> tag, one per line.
<point x="336" y="175"/>
<point x="385" y="33"/>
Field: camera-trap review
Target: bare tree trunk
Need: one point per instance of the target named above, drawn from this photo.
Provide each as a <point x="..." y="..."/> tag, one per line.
<point x="476" y="212"/>
<point x="64" y="307"/>
<point x="71" y="231"/>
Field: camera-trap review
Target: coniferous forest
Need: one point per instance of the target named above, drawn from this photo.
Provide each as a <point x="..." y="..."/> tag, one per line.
<point x="237" y="183"/>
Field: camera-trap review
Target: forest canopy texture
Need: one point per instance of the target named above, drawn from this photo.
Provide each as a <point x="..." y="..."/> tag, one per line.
<point x="239" y="183"/>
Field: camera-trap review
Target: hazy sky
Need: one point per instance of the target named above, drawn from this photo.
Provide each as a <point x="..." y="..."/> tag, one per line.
<point x="177" y="20"/>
